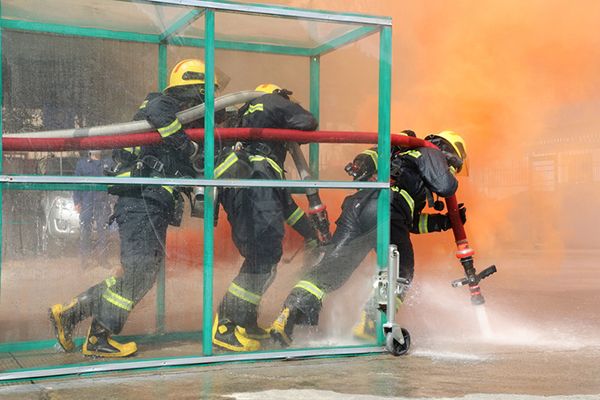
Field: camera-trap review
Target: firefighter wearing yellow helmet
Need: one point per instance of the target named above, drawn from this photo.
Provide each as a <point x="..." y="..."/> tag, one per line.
<point x="143" y="214"/>
<point x="257" y="215"/>
<point x="416" y="174"/>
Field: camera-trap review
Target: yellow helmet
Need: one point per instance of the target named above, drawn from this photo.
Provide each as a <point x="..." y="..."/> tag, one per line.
<point x="268" y="88"/>
<point x="271" y="88"/>
<point x="188" y="72"/>
<point x="451" y="143"/>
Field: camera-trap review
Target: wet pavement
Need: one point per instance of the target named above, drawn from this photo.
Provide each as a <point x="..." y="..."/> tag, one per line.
<point x="543" y="340"/>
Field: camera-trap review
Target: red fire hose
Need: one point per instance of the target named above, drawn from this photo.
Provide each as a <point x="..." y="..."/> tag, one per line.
<point x="464" y="252"/>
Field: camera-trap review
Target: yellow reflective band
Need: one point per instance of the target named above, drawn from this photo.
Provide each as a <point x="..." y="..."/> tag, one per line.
<point x="373" y="155"/>
<point x="110" y="281"/>
<point x="423" y="219"/>
<point x="296" y="215"/>
<point x="117" y="300"/>
<point x="409" y="200"/>
<point x="133" y="150"/>
<point x="144" y="104"/>
<point x="273" y="163"/>
<point x="124" y="174"/>
<point x="398" y="303"/>
<point x="244" y="294"/>
<point x="414" y="153"/>
<point x="224" y="166"/>
<point x="311" y="288"/>
<point x="252" y="108"/>
<point x="171" y="129"/>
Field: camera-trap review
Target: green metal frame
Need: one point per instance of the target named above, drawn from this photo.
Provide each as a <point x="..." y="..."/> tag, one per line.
<point x="372" y="25"/>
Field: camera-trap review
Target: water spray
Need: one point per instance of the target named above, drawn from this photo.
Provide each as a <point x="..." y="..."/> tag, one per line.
<point x="465" y="254"/>
<point x="472" y="278"/>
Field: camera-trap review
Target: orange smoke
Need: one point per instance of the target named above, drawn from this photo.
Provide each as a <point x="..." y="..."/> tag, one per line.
<point x="495" y="72"/>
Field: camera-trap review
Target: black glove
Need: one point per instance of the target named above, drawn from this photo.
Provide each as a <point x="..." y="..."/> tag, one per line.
<point x="462" y="211"/>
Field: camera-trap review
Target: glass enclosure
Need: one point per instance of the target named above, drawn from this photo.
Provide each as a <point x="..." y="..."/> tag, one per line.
<point x="74" y="74"/>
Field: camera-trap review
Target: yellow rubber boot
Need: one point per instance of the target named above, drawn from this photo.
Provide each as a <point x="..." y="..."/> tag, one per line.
<point x="63" y="325"/>
<point x="227" y="335"/>
<point x="282" y="328"/>
<point x="366" y="327"/>
<point x="100" y="344"/>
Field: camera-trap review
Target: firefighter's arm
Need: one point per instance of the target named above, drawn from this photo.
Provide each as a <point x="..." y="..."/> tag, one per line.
<point x="426" y="223"/>
<point x="436" y="172"/>
<point x="296" y="218"/>
<point x="296" y="117"/>
<point x="161" y="113"/>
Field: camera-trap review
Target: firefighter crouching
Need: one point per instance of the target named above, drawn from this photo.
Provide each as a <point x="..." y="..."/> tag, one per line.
<point x="415" y="174"/>
<point x="257" y="215"/>
<point x="143" y="214"/>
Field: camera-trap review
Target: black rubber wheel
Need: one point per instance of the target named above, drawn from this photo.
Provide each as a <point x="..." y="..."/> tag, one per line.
<point x="394" y="346"/>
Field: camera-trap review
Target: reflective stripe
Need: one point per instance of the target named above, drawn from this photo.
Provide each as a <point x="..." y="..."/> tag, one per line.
<point x="229" y="161"/>
<point x="244" y="294"/>
<point x="171" y="129"/>
<point x="414" y="153"/>
<point x="276" y="167"/>
<point x="409" y="200"/>
<point x="110" y="281"/>
<point x="373" y="155"/>
<point x="144" y="104"/>
<point x="398" y="303"/>
<point x="311" y="288"/>
<point x="296" y="215"/>
<point x="124" y="174"/>
<point x="252" y="108"/>
<point x="133" y="150"/>
<point x="117" y="300"/>
<point x="423" y="219"/>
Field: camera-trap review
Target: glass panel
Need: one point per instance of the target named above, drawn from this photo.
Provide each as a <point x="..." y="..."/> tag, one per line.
<point x="54" y="78"/>
<point x="53" y="254"/>
<point x="338" y="276"/>
<point x="113" y="15"/>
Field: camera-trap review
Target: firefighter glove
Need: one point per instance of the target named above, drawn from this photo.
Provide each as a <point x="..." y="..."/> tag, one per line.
<point x="462" y="211"/>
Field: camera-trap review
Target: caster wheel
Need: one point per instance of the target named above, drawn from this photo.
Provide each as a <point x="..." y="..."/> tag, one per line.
<point x="394" y="346"/>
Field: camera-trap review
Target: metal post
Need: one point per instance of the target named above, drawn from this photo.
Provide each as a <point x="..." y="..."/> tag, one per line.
<point x="209" y="166"/>
<point x="315" y="105"/>
<point x="161" y="281"/>
<point x="385" y="81"/>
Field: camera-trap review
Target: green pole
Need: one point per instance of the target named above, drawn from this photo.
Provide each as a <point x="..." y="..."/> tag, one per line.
<point x="315" y="105"/>
<point x="383" y="142"/>
<point x="162" y="66"/>
<point x="161" y="281"/>
<point x="385" y="83"/>
<point x="209" y="166"/>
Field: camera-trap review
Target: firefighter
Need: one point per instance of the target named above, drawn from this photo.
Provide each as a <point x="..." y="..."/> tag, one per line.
<point x="415" y="174"/>
<point x="93" y="206"/>
<point x="257" y="215"/>
<point x="143" y="214"/>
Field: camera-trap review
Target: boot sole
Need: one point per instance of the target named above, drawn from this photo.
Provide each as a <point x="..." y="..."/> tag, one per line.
<point x="55" y="318"/>
<point x="89" y="353"/>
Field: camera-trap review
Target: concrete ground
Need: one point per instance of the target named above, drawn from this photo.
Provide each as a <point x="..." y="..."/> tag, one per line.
<point x="538" y="338"/>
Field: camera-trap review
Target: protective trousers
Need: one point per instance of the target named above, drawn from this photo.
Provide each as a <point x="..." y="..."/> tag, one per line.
<point x="142" y="230"/>
<point x="257" y="225"/>
<point x="353" y="239"/>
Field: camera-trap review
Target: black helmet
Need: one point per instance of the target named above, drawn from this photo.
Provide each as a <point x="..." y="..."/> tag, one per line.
<point x="364" y="165"/>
